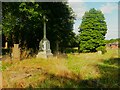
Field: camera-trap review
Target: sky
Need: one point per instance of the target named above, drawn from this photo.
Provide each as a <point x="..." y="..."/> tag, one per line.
<point x="108" y="7"/>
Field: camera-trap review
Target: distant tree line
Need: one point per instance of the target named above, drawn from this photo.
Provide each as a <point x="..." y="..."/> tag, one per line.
<point x="113" y="40"/>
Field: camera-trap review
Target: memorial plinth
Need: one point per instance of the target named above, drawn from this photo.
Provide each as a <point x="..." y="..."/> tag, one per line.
<point x="44" y="45"/>
<point x="44" y="49"/>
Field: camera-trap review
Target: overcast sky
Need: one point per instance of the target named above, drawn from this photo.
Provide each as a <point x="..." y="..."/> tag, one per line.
<point x="108" y="7"/>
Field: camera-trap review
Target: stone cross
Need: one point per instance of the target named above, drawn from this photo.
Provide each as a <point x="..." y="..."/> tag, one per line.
<point x="44" y="28"/>
<point x="44" y="46"/>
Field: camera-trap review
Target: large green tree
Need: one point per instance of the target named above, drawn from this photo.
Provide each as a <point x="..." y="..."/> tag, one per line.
<point x="23" y="24"/>
<point x="92" y="31"/>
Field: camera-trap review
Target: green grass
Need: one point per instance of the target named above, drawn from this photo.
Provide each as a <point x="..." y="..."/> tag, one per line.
<point x="76" y="71"/>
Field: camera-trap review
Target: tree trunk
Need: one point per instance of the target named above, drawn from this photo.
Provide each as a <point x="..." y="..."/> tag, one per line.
<point x="79" y="47"/>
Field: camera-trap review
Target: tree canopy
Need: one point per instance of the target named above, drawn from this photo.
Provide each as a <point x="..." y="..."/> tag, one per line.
<point x="92" y="31"/>
<point x="23" y="23"/>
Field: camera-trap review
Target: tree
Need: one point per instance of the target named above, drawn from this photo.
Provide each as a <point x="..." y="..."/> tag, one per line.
<point x="92" y="31"/>
<point x="22" y="23"/>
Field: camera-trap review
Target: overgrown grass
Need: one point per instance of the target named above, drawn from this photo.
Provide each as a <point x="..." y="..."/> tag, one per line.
<point x="0" y="74"/>
<point x="76" y="71"/>
<point x="0" y="66"/>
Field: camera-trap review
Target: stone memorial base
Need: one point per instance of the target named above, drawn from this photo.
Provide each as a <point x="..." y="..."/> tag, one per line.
<point x="44" y="55"/>
<point x="44" y="49"/>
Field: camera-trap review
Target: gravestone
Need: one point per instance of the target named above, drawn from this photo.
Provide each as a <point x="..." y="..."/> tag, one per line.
<point x="99" y="52"/>
<point x="16" y="52"/>
<point x="44" y="45"/>
<point x="6" y="45"/>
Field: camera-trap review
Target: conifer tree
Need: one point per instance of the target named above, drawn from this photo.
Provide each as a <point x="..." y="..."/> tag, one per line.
<point x="92" y="31"/>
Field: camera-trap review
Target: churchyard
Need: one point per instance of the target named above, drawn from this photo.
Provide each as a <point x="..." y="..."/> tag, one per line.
<point x="82" y="70"/>
<point x="41" y="50"/>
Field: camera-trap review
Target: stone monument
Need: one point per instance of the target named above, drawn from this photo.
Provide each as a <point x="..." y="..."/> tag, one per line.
<point x="44" y="45"/>
<point x="16" y="52"/>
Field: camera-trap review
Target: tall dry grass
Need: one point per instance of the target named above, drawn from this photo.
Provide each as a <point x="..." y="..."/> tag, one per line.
<point x="78" y="70"/>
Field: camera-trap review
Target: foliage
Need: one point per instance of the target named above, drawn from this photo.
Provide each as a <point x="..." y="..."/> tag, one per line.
<point x="27" y="19"/>
<point x="71" y="50"/>
<point x="6" y="51"/>
<point x="101" y="48"/>
<point x="92" y="31"/>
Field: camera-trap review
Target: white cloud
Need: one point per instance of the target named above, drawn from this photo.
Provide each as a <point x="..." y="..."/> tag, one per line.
<point x="75" y="0"/>
<point x="78" y="7"/>
<point x="109" y="7"/>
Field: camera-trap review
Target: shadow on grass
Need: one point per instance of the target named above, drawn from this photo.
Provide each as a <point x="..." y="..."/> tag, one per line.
<point x="53" y="81"/>
<point x="109" y="70"/>
<point x="70" y="80"/>
<point x="109" y="78"/>
<point x="112" y="61"/>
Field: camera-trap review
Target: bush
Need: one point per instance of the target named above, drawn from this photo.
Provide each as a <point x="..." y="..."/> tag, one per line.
<point x="101" y="48"/>
<point x="6" y="51"/>
<point x="71" y="50"/>
<point x="86" y="51"/>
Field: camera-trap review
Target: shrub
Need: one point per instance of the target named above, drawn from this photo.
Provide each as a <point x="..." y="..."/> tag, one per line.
<point x="101" y="48"/>
<point x="71" y="50"/>
<point x="6" y="51"/>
